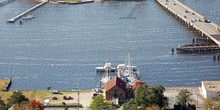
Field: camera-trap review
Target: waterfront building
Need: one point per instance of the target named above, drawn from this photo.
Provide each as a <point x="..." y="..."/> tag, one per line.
<point x="210" y="89"/>
<point x="116" y="88"/>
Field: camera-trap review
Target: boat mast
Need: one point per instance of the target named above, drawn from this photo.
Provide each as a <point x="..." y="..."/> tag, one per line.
<point x="129" y="64"/>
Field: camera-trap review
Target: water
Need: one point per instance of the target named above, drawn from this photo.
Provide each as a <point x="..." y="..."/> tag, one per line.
<point x="63" y="44"/>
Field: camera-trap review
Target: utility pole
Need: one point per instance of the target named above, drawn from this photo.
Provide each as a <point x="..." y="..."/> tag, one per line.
<point x="78" y="93"/>
<point x="78" y="99"/>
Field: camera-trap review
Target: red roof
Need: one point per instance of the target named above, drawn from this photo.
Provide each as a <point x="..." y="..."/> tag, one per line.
<point x="137" y="83"/>
<point x="115" y="82"/>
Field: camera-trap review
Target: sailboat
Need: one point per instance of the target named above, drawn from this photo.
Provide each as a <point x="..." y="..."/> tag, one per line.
<point x="127" y="72"/>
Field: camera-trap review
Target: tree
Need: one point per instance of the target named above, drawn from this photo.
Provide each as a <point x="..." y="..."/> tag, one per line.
<point x="183" y="97"/>
<point x="2" y="104"/>
<point x="36" y="105"/>
<point x="98" y="103"/>
<point x="156" y="96"/>
<point x="48" y="88"/>
<point x="15" y="98"/>
<point x="149" y="97"/>
<point x="141" y="96"/>
<point x="211" y="104"/>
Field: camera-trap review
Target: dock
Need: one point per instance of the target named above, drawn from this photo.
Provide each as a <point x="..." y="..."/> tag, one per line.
<point x="192" y="19"/>
<point x="27" y="11"/>
<point x="5" y="2"/>
<point x="75" y="2"/>
<point x="199" y="48"/>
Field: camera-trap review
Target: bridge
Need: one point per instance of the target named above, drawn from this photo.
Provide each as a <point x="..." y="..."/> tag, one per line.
<point x="27" y="11"/>
<point x="193" y="19"/>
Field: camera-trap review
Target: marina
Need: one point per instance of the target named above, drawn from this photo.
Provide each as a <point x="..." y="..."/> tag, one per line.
<point x="127" y="72"/>
<point x="53" y="51"/>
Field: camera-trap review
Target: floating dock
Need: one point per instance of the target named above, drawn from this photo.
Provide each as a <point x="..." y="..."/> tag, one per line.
<point x="192" y="19"/>
<point x="27" y="11"/>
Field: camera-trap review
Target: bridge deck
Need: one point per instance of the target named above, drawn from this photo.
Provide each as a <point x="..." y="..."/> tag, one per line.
<point x="192" y="18"/>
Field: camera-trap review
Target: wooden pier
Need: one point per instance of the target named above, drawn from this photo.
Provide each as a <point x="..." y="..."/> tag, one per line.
<point x="27" y="11"/>
<point x="199" y="48"/>
<point x="5" y="2"/>
<point x="192" y="19"/>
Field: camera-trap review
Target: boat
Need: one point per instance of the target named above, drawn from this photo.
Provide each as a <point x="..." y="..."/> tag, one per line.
<point x="28" y="17"/>
<point x="127" y="72"/>
<point x="106" y="67"/>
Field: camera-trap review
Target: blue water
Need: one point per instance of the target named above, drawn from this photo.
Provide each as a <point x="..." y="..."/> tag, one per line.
<point x="63" y="44"/>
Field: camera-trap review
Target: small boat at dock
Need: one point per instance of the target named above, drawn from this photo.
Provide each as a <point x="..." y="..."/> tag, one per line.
<point x="106" y="67"/>
<point x="127" y="72"/>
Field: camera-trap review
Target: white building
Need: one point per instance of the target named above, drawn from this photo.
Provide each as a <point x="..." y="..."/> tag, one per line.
<point x="210" y="89"/>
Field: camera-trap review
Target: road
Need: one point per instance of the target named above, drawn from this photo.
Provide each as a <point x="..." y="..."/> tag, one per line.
<point x="192" y="18"/>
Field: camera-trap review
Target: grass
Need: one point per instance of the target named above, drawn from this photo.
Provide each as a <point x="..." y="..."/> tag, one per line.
<point x="4" y="84"/>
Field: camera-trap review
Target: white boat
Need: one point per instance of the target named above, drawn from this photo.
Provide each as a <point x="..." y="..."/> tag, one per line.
<point x="28" y="17"/>
<point x="127" y="72"/>
<point x="106" y="67"/>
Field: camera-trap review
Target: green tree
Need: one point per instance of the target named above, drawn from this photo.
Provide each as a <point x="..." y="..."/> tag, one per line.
<point x="145" y="97"/>
<point x="2" y="104"/>
<point x="183" y="96"/>
<point x="141" y="96"/>
<point x="15" y="98"/>
<point x="98" y="103"/>
<point x="156" y="96"/>
<point x="48" y="88"/>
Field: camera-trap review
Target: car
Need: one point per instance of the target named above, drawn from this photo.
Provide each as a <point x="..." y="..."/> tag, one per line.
<point x="63" y="103"/>
<point x="165" y="3"/>
<point x="200" y="20"/>
<point x="174" y="3"/>
<point x="65" y="98"/>
<point x="95" y="94"/>
<point x="186" y="11"/>
<point x="193" y="13"/>
<point x="70" y="97"/>
<point x="185" y="17"/>
<point x="54" y="98"/>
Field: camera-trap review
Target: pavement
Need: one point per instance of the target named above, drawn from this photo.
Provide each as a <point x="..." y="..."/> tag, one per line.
<point x="85" y="98"/>
<point x="196" y="98"/>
